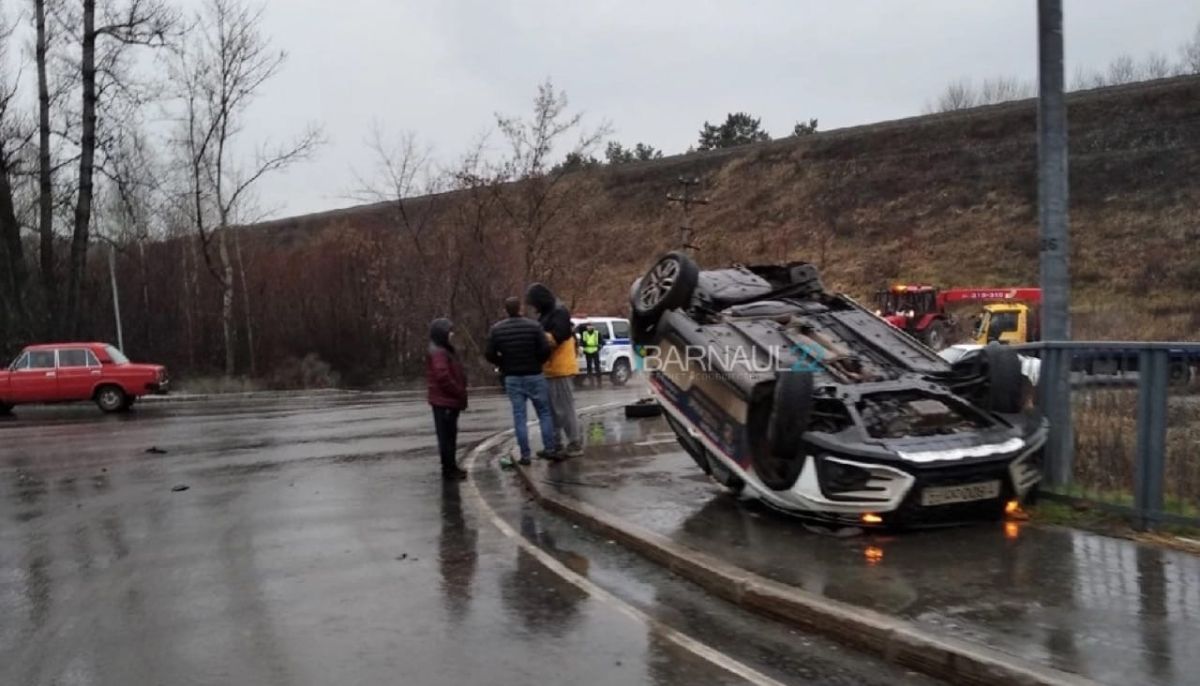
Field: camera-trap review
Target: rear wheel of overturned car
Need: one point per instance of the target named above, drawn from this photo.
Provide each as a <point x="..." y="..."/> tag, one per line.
<point x="779" y="458"/>
<point x="669" y="284"/>
<point x="111" y="399"/>
<point x="1005" y="388"/>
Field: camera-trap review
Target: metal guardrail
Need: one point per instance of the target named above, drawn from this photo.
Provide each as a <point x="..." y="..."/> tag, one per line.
<point x="1161" y="368"/>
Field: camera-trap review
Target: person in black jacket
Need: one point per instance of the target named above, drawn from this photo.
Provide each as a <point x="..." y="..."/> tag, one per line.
<point x="561" y="368"/>
<point x="519" y="348"/>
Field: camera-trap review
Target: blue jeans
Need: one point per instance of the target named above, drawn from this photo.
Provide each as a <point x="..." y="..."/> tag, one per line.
<point x="534" y="389"/>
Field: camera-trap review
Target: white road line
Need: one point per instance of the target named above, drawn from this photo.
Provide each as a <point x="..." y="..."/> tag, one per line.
<point x="584" y="584"/>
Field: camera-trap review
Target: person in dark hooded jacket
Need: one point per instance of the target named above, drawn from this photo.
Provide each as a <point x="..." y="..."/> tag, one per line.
<point x="447" y="390"/>
<point x="562" y="366"/>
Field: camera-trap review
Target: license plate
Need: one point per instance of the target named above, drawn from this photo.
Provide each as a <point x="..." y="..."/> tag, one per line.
<point x="945" y="495"/>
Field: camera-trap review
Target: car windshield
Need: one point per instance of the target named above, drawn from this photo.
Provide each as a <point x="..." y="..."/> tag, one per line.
<point x="115" y="355"/>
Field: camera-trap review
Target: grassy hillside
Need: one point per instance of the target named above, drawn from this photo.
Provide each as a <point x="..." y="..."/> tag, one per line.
<point x="948" y="199"/>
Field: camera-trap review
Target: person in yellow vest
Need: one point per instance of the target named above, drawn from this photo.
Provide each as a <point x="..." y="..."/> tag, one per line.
<point x="590" y="340"/>
<point x="562" y="366"/>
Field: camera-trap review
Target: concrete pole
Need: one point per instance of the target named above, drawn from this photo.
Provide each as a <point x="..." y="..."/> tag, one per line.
<point x="1054" y="245"/>
<point x="116" y="296"/>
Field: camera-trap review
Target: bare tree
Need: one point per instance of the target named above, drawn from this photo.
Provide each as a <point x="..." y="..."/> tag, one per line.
<point x="14" y="137"/>
<point x="220" y="72"/>
<point x="1155" y="66"/>
<point x="45" y="172"/>
<point x="1123" y="69"/>
<point x="1004" y="89"/>
<point x="1189" y="54"/>
<point x="122" y="24"/>
<point x="959" y="95"/>
<point x="528" y="184"/>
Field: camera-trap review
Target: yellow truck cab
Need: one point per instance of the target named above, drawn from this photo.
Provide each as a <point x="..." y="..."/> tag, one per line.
<point x="1007" y="324"/>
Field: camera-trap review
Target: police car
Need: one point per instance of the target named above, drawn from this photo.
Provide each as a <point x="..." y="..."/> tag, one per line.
<point x="616" y="348"/>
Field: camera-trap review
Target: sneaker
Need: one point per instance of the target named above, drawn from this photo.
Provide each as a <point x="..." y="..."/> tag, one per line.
<point x="552" y="455"/>
<point x="574" y="449"/>
<point x="525" y="461"/>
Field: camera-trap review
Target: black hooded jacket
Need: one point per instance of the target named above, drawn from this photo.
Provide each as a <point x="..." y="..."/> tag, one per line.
<point x="552" y="315"/>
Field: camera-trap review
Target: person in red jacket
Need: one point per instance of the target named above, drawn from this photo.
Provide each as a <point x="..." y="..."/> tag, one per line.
<point x="447" y="382"/>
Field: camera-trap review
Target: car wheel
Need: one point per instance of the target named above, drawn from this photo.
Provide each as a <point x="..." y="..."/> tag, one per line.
<point x="669" y="284"/>
<point x="111" y="398"/>
<point x="779" y="461"/>
<point x="935" y="336"/>
<point x="621" y="373"/>
<point x="1005" y="380"/>
<point x="643" y="409"/>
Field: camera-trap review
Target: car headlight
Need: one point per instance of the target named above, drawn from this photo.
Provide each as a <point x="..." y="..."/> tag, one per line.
<point x="837" y="477"/>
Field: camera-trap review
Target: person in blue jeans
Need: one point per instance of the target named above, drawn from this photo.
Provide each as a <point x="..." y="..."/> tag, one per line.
<point x="518" y="347"/>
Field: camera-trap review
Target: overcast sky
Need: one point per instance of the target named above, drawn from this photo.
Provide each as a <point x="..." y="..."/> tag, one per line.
<point x="655" y="69"/>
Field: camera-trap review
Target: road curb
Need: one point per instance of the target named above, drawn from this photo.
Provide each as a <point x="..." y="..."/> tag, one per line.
<point x="893" y="639"/>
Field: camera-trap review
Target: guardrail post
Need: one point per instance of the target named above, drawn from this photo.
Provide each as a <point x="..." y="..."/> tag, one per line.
<point x="1055" y="402"/>
<point x="1151" y="437"/>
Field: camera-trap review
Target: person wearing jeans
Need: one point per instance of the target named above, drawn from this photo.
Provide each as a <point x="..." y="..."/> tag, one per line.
<point x="518" y="347"/>
<point x="561" y="367"/>
<point x="531" y="388"/>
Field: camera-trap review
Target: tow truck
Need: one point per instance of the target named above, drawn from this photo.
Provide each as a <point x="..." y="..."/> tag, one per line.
<point x="1009" y="313"/>
<point x="1009" y="316"/>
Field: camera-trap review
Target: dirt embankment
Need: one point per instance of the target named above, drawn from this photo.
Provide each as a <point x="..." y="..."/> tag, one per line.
<point x="947" y="199"/>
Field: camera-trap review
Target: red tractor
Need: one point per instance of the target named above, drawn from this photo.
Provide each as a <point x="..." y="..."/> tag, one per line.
<point x="920" y="310"/>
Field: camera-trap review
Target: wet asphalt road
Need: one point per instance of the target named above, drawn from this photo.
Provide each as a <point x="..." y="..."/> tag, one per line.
<point x="315" y="544"/>
<point x="1116" y="611"/>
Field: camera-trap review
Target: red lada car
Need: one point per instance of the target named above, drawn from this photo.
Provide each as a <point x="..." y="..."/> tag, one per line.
<point x="68" y="372"/>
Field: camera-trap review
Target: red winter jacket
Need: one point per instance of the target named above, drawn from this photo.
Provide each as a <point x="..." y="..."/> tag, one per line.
<point x="446" y="379"/>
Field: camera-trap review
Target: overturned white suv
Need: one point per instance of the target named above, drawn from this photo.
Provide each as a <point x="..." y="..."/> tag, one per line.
<point x="806" y="400"/>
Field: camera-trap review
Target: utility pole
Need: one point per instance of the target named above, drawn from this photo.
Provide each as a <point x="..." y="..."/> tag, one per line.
<point x="686" y="200"/>
<point x="1054" y="243"/>
<point x="116" y="296"/>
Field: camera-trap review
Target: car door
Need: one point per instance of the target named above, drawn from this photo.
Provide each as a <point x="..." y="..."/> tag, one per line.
<point x="78" y="371"/>
<point x="37" y="380"/>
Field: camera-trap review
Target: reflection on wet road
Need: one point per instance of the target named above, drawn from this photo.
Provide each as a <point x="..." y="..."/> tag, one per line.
<point x="315" y="544"/>
<point x="1116" y="611"/>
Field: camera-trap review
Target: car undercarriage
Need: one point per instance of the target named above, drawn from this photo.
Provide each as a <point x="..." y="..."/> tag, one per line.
<point x="808" y="401"/>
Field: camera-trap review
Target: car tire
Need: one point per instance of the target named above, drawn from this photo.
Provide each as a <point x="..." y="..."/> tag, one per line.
<point x="111" y="399"/>
<point x="643" y="409"/>
<point x="935" y="336"/>
<point x="778" y="463"/>
<point x="805" y="279"/>
<point x="1005" y="390"/>
<point x="621" y="372"/>
<point x="669" y="284"/>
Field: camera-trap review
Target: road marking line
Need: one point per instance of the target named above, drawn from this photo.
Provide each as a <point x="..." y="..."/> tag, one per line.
<point x="701" y="650"/>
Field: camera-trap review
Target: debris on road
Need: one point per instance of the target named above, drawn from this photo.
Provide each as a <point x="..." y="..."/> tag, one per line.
<point x="180" y="487"/>
<point x="155" y="450"/>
